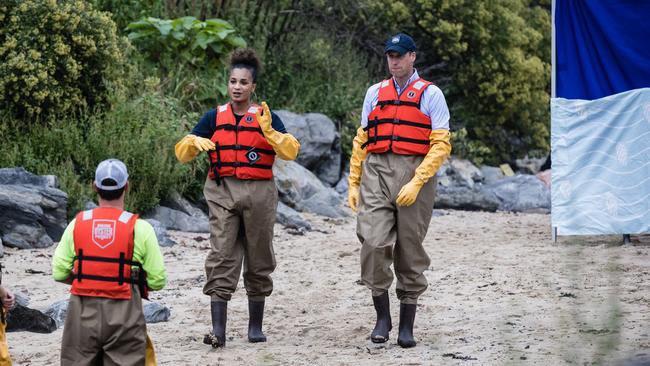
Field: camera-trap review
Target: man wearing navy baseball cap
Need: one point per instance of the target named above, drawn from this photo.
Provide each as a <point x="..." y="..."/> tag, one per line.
<point x="402" y="142"/>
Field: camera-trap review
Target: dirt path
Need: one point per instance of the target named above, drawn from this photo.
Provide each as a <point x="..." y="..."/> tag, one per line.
<point x="500" y="292"/>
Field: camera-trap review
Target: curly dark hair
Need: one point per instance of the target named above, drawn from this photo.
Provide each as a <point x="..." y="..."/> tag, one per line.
<point x="246" y="58"/>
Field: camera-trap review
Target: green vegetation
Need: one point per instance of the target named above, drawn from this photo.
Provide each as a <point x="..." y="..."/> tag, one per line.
<point x="57" y="57"/>
<point x="84" y="80"/>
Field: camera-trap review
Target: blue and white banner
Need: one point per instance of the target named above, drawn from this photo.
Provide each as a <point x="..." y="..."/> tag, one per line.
<point x="600" y="117"/>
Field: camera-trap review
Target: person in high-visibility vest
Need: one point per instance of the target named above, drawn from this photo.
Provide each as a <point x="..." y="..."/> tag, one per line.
<point x="403" y="140"/>
<point x="242" y="140"/>
<point x="112" y="259"/>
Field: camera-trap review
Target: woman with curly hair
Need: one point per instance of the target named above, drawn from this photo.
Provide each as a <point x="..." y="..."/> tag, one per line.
<point x="242" y="140"/>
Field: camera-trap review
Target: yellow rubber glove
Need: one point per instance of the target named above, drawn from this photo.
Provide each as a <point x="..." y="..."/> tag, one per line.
<point x="5" y="359"/>
<point x="150" y="354"/>
<point x="190" y="146"/>
<point x="438" y="152"/>
<point x="356" y="159"/>
<point x="284" y="144"/>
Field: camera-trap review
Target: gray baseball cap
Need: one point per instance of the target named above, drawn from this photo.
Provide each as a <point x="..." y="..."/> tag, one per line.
<point x="112" y="169"/>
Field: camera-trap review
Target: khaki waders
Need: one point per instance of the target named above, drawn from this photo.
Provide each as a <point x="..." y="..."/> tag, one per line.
<point x="391" y="234"/>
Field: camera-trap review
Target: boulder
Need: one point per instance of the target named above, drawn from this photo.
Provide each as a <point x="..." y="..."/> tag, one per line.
<point x="529" y="165"/>
<point x="22" y="298"/>
<point x="301" y="190"/>
<point x="320" y="149"/>
<point x="155" y="312"/>
<point x="176" y="202"/>
<point x="21" y="318"/>
<point x="521" y="193"/>
<point x="459" y="172"/>
<point x="161" y="233"/>
<point x="465" y="198"/>
<point x="342" y="186"/>
<point x="290" y="218"/>
<point x="491" y="174"/>
<point x="32" y="209"/>
<point x="58" y="311"/>
<point x="178" y="220"/>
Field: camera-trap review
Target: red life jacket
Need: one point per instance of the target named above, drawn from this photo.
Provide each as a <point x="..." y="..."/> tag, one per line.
<point x="241" y="148"/>
<point x="103" y="245"/>
<point x="396" y="123"/>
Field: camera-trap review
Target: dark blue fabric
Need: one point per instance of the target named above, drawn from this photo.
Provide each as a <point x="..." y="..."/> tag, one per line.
<point x="206" y="126"/>
<point x="602" y="47"/>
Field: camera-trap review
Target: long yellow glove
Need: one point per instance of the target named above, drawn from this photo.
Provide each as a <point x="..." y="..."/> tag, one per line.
<point x="190" y="146"/>
<point x="284" y="144"/>
<point x="438" y="152"/>
<point x="356" y="159"/>
<point x="150" y="354"/>
<point x="5" y="359"/>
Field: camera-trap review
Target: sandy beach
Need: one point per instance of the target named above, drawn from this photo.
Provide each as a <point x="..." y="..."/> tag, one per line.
<point x="500" y="292"/>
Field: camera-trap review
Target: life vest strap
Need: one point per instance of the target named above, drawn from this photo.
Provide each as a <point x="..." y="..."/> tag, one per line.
<point x="383" y="103"/>
<point x="120" y="279"/>
<point x="374" y="122"/>
<point x="229" y="127"/>
<point x="375" y="139"/>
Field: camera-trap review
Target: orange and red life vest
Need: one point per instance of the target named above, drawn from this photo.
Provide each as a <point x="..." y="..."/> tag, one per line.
<point x="241" y="150"/>
<point x="396" y="123"/>
<point x="103" y="244"/>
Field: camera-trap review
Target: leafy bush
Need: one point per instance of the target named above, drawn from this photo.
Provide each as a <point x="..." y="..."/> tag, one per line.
<point x="142" y="133"/>
<point x="57" y="57"/>
<point x="188" y="55"/>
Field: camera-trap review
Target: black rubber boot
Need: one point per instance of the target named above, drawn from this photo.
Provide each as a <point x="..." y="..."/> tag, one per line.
<point x="256" y="316"/>
<point x="384" y="324"/>
<point x="217" y="338"/>
<point x="406" y="319"/>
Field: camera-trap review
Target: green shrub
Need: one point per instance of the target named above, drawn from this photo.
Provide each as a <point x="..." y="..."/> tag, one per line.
<point x="57" y="57"/>
<point x="142" y="133"/>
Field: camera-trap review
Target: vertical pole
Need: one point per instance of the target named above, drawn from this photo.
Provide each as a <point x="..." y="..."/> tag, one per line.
<point x="554" y="234"/>
<point x="626" y="239"/>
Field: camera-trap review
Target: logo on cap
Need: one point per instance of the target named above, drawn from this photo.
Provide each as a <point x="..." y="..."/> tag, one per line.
<point x="103" y="233"/>
<point x="395" y="39"/>
<point x="411" y="94"/>
<point x="248" y="119"/>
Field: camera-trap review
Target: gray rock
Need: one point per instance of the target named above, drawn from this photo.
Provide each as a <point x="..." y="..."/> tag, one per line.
<point x="2" y="249"/>
<point x="300" y="189"/>
<point x="21" y="318"/>
<point x="465" y="198"/>
<point x="90" y="205"/>
<point x="491" y="174"/>
<point x="320" y="150"/>
<point x="155" y="312"/>
<point x="20" y="176"/>
<point x="521" y="193"/>
<point x="342" y="185"/>
<point x="32" y="210"/>
<point x="529" y="165"/>
<point x="177" y="220"/>
<point x="458" y="172"/>
<point x="22" y="298"/>
<point x="176" y="202"/>
<point x="161" y="233"/>
<point x="58" y="311"/>
<point x="291" y="218"/>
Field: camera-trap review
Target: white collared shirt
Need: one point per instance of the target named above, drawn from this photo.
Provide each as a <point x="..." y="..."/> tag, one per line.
<point x="432" y="103"/>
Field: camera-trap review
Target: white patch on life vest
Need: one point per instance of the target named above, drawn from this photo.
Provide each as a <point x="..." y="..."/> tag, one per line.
<point x="223" y="108"/>
<point x="252" y="110"/>
<point x="125" y="217"/>
<point x="418" y="85"/>
<point x="384" y="84"/>
<point x="103" y="233"/>
<point x="87" y="215"/>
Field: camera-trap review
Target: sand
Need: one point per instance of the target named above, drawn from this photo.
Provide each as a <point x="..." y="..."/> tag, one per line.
<point x="500" y="292"/>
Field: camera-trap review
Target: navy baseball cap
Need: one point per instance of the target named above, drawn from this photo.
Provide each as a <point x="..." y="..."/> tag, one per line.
<point x="400" y="43"/>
